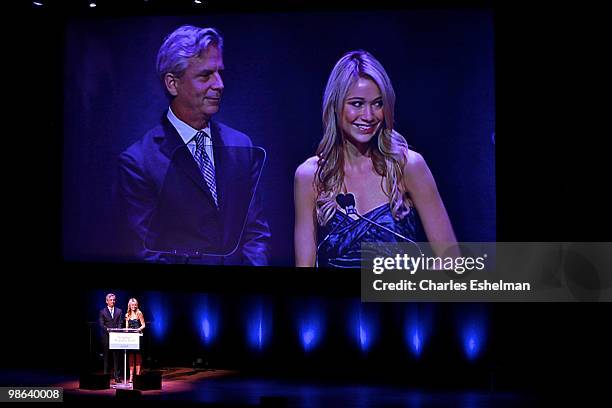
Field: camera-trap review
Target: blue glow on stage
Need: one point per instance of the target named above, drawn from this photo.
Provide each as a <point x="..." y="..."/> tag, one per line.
<point x="363" y="337"/>
<point x="156" y="310"/>
<point x="362" y="324"/>
<point x="206" y="328"/>
<point x="258" y="323"/>
<point x="472" y="341"/>
<point x="309" y="334"/>
<point x="417" y="327"/>
<point x="310" y="325"/>
<point x="472" y="329"/>
<point x="207" y="318"/>
<point x="416" y="342"/>
<point x="259" y="335"/>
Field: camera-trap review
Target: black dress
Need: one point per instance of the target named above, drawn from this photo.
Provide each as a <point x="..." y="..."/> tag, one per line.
<point x="134" y="324"/>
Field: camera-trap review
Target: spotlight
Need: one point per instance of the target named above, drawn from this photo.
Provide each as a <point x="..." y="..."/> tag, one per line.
<point x="197" y="1"/>
<point x="92" y="4"/>
<point x="37" y="3"/>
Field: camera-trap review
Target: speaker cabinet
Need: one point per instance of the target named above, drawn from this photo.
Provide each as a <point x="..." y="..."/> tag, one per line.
<point x="150" y="380"/>
<point x="93" y="381"/>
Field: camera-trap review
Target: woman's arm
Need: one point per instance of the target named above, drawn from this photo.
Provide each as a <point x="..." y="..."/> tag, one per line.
<point x="421" y="187"/>
<point x="304" y="197"/>
<point x="142" y="321"/>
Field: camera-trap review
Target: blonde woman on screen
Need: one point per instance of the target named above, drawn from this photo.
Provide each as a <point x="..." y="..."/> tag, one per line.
<point x="362" y="154"/>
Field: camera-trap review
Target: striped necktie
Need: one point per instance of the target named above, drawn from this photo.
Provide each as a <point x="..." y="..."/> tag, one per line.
<point x="205" y="164"/>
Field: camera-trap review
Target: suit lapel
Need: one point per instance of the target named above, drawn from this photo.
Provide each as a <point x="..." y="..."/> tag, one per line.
<point x="222" y="163"/>
<point x="226" y="165"/>
<point x="232" y="185"/>
<point x="179" y="155"/>
<point x="225" y="168"/>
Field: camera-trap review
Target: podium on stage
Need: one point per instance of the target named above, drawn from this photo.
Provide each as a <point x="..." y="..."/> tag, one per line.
<point x="124" y="339"/>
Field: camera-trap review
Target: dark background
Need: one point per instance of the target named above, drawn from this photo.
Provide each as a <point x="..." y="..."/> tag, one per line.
<point x="551" y="172"/>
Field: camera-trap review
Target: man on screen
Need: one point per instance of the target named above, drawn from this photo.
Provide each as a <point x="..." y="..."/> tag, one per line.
<point x="179" y="184"/>
<point x="110" y="317"/>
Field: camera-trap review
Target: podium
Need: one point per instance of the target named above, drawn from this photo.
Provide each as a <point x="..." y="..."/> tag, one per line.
<point x="124" y="339"/>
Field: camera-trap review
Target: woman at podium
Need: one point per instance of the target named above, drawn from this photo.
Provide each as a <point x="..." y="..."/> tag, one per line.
<point x="134" y="319"/>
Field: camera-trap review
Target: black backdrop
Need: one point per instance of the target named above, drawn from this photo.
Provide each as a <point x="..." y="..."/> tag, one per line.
<point x="549" y="167"/>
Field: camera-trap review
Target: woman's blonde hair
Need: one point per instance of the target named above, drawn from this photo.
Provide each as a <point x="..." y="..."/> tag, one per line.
<point x="129" y="307"/>
<point x="388" y="148"/>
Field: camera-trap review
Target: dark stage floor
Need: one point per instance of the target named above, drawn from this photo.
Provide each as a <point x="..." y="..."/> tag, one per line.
<point x="230" y="388"/>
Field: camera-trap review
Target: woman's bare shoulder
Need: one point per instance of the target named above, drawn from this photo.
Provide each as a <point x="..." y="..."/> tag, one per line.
<point x="416" y="172"/>
<point x="414" y="159"/>
<point x="307" y="170"/>
<point x="415" y="164"/>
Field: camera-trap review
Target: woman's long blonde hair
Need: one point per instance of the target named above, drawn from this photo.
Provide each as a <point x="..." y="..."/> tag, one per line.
<point x="388" y="148"/>
<point x="129" y="308"/>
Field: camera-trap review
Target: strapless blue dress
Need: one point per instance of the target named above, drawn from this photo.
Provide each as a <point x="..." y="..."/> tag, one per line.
<point x="134" y="323"/>
<point x="342" y="249"/>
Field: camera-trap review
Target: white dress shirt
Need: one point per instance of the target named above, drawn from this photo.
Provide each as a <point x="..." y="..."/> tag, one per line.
<point x="187" y="133"/>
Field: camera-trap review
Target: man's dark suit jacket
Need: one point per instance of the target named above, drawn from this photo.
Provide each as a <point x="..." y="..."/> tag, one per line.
<point x="168" y="205"/>
<point x="105" y="321"/>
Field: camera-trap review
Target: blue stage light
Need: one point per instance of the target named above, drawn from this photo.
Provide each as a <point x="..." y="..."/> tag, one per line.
<point x="206" y="328"/>
<point x="417" y="327"/>
<point x="310" y="324"/>
<point x="363" y="337"/>
<point x="472" y="341"/>
<point x="207" y="318"/>
<point x="416" y="342"/>
<point x="472" y="322"/>
<point x="157" y="312"/>
<point x="365" y="331"/>
<point x="258" y="322"/>
<point x="362" y="324"/>
<point x="259" y="335"/>
<point x="308" y="335"/>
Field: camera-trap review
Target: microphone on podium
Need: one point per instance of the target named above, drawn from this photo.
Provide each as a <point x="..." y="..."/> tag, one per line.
<point x="347" y="202"/>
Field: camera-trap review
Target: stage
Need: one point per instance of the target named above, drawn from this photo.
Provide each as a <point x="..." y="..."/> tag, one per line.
<point x="233" y="388"/>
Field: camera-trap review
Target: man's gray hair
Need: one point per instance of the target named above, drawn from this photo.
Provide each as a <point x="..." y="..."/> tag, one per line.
<point x="184" y="43"/>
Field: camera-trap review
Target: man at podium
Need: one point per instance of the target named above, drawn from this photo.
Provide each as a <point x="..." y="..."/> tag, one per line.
<point x="110" y="317"/>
